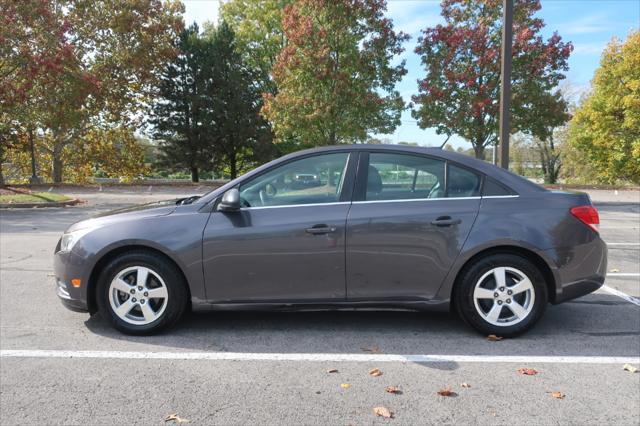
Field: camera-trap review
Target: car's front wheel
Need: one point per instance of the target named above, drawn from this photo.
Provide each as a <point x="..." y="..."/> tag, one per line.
<point x="501" y="294"/>
<point x="141" y="293"/>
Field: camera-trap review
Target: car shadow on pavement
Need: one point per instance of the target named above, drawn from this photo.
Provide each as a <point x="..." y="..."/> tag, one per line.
<point x="595" y="325"/>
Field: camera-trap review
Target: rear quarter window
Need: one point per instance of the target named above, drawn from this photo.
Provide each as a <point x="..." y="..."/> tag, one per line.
<point x="493" y="188"/>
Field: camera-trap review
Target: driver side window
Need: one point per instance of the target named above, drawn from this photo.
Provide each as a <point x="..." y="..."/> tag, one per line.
<point x="312" y="180"/>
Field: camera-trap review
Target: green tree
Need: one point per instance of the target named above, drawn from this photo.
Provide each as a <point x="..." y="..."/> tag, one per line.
<point x="460" y="92"/>
<point x="180" y="116"/>
<point x="335" y="79"/>
<point x="606" y="127"/>
<point x="240" y="133"/>
<point x="259" y="34"/>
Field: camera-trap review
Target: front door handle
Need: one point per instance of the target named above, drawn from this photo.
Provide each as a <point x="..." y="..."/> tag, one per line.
<point x="445" y="221"/>
<point x="320" y="229"/>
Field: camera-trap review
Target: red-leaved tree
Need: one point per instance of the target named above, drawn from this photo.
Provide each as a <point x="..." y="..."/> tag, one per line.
<point x="460" y="91"/>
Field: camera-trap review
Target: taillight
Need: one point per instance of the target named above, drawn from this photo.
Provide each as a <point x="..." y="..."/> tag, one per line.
<point x="587" y="215"/>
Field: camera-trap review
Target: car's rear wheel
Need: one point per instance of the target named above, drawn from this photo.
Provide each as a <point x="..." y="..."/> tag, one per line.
<point x="501" y="294"/>
<point x="141" y="293"/>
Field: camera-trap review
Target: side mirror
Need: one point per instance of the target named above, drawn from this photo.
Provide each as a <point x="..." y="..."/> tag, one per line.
<point x="230" y="201"/>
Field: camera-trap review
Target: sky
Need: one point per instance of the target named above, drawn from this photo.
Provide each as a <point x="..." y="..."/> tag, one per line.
<point x="588" y="24"/>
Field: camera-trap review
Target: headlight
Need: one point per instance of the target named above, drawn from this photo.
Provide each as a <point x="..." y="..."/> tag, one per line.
<point x="69" y="239"/>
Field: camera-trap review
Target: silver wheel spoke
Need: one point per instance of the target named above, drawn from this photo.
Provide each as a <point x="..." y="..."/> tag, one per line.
<point x="517" y="309"/>
<point x="125" y="308"/>
<point x="522" y="285"/>
<point x="120" y="284"/>
<point x="157" y="293"/>
<point x="503" y="296"/>
<point x="138" y="295"/>
<point x="494" y="313"/>
<point x="500" y="276"/>
<point x="141" y="277"/>
<point x="483" y="293"/>
<point x="148" y="313"/>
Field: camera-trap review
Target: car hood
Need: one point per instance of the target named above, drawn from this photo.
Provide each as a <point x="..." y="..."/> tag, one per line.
<point x="159" y="208"/>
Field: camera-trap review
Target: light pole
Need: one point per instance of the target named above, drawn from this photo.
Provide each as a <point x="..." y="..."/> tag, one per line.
<point x="505" y="81"/>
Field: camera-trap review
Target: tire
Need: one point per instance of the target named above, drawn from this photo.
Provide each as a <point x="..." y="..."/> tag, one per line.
<point x="519" y="304"/>
<point x="131" y="308"/>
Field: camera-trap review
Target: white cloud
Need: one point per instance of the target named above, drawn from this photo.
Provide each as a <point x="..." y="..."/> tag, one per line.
<point x="591" y="24"/>
<point x="592" y="48"/>
<point x="200" y="11"/>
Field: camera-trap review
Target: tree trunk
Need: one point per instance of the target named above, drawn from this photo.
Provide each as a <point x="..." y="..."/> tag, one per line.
<point x="34" y="179"/>
<point x="478" y="148"/>
<point x="195" y="177"/>
<point x="233" y="165"/>
<point x="332" y="137"/>
<point x="1" y="161"/>
<point x="57" y="164"/>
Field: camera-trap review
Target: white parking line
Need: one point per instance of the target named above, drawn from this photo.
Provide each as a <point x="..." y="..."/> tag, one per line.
<point x="625" y="296"/>
<point x="623" y="274"/>
<point x="316" y="357"/>
<point x="624" y="244"/>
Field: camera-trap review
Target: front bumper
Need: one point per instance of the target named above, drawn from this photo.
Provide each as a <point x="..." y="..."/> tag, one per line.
<point x="580" y="270"/>
<point x="68" y="266"/>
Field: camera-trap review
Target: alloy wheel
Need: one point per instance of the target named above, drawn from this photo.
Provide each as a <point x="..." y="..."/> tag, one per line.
<point x="504" y="296"/>
<point x="138" y="295"/>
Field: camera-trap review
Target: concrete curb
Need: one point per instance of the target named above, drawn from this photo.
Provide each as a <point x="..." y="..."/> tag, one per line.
<point x="39" y="205"/>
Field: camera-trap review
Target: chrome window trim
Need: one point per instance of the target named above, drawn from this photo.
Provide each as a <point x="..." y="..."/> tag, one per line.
<point x="407" y="200"/>
<point x="335" y="203"/>
<point x="500" y="196"/>
<point x="403" y="200"/>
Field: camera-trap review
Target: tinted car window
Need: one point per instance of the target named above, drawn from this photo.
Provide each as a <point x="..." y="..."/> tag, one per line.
<point x="311" y="180"/>
<point x="401" y="177"/>
<point x="493" y="188"/>
<point x="462" y="182"/>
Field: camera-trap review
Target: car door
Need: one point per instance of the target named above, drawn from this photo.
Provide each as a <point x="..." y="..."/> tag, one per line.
<point x="288" y="241"/>
<point x="409" y="219"/>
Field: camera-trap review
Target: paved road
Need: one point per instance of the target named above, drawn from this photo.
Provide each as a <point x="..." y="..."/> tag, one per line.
<point x="276" y="371"/>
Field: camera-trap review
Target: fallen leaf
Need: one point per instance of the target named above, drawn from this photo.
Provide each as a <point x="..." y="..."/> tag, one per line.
<point x="558" y="395"/>
<point x="175" y="418"/>
<point x="447" y="392"/>
<point x="494" y="338"/>
<point x="332" y="370"/>
<point x="345" y="385"/>
<point x="528" y="371"/>
<point x="630" y="368"/>
<point x="465" y="385"/>
<point x="615" y="270"/>
<point x="393" y="389"/>
<point x="375" y="372"/>
<point x="383" y="412"/>
<point x="373" y="350"/>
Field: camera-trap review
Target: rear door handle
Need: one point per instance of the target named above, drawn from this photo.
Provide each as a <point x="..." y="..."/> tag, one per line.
<point x="445" y="221"/>
<point x="320" y="229"/>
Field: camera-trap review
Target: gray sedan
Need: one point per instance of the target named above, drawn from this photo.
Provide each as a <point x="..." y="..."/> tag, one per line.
<point x="375" y="227"/>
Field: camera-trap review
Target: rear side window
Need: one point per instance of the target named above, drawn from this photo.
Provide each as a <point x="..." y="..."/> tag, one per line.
<point x="462" y="182"/>
<point x="403" y="177"/>
<point x="493" y="188"/>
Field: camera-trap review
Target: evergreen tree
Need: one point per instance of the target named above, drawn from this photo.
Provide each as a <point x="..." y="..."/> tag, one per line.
<point x="239" y="132"/>
<point x="181" y="115"/>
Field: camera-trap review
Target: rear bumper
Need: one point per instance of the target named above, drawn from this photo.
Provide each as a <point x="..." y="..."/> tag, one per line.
<point x="579" y="270"/>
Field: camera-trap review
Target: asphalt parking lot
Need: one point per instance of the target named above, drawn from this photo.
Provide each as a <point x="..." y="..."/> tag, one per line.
<point x="271" y="368"/>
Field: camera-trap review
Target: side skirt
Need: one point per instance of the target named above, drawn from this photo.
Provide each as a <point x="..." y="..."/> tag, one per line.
<point x="404" y="305"/>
